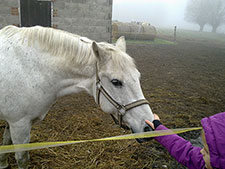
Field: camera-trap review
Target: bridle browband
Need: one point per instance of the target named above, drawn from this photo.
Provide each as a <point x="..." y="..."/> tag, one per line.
<point x="121" y="109"/>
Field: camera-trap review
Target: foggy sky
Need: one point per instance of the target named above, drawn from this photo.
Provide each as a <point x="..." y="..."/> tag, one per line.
<point x="160" y="13"/>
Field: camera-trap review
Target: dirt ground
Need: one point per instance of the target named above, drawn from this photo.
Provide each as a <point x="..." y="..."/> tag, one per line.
<point x="183" y="83"/>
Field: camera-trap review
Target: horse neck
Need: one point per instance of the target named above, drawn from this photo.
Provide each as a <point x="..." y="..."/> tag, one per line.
<point x="79" y="79"/>
<point x="55" y="73"/>
<point x="64" y="73"/>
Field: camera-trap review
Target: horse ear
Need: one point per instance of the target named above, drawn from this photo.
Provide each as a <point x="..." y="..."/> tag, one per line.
<point x="95" y="48"/>
<point x="99" y="52"/>
<point x="121" y="43"/>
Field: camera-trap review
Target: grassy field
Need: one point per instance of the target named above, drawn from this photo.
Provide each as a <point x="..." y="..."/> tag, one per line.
<point x="192" y="35"/>
<point x="156" y="41"/>
<point x="166" y="36"/>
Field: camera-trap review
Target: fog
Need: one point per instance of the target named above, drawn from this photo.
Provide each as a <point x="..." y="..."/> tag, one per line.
<point x="160" y="13"/>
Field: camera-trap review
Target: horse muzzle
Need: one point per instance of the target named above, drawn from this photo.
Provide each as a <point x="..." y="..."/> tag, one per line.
<point x="147" y="128"/>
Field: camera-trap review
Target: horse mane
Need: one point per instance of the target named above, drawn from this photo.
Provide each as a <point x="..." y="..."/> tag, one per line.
<point x="56" y="42"/>
<point x="64" y="44"/>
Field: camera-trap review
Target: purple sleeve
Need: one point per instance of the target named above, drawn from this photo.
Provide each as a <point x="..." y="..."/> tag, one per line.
<point x="182" y="150"/>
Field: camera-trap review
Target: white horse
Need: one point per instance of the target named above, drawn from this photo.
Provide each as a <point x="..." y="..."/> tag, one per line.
<point x="39" y="65"/>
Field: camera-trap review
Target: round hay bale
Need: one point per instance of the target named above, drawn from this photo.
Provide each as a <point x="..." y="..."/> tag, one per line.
<point x="133" y="30"/>
<point x="114" y="31"/>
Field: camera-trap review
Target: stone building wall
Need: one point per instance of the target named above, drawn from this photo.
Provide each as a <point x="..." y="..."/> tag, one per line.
<point x="9" y="13"/>
<point x="90" y="18"/>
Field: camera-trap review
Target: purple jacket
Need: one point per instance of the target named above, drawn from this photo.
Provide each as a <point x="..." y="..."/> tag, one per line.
<point x="190" y="156"/>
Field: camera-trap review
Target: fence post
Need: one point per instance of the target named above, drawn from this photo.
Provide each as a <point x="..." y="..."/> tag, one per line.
<point x="175" y="33"/>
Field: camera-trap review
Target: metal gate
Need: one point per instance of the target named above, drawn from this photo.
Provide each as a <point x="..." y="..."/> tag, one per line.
<point x="35" y="12"/>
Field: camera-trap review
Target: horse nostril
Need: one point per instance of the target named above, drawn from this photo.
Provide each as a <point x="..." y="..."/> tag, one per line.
<point x="147" y="128"/>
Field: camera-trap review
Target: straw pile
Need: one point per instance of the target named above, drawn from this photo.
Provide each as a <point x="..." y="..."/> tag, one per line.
<point x="77" y="117"/>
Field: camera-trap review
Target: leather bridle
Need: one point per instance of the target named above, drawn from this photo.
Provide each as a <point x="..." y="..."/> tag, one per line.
<point x="121" y="109"/>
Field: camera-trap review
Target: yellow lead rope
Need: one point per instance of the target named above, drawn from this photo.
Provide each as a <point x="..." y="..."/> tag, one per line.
<point x="34" y="146"/>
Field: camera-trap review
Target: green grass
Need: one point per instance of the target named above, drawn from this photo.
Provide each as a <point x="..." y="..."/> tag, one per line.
<point x="163" y="33"/>
<point x="192" y="35"/>
<point x="156" y="41"/>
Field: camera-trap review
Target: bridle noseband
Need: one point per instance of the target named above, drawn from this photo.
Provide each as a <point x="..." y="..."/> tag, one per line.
<point x="121" y="109"/>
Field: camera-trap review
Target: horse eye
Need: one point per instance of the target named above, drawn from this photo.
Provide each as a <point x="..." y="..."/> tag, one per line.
<point x="117" y="83"/>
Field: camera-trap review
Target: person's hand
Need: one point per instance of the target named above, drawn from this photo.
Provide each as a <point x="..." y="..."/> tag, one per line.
<point x="156" y="117"/>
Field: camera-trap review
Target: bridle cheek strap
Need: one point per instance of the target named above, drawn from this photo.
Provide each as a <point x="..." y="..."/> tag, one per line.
<point x="121" y="109"/>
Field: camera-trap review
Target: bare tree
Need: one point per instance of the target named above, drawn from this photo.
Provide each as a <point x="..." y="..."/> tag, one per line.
<point x="197" y="12"/>
<point x="216" y="13"/>
<point x="204" y="12"/>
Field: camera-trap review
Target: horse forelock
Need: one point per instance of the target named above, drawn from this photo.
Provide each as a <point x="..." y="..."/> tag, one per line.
<point x="123" y="60"/>
<point x="56" y="42"/>
<point x="119" y="59"/>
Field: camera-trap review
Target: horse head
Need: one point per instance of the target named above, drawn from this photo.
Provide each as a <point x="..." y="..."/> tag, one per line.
<point x="117" y="89"/>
